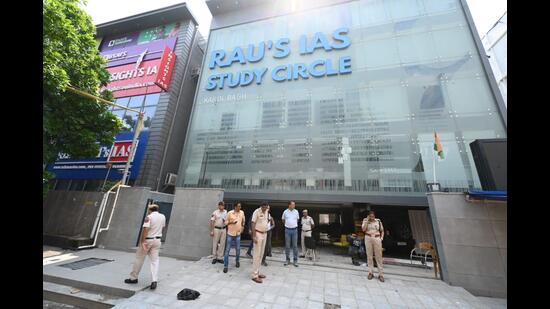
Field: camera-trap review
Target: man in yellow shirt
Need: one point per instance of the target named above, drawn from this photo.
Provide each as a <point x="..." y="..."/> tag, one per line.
<point x="235" y="226"/>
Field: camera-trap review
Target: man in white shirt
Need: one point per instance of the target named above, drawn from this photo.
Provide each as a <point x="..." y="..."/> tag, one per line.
<point x="149" y="244"/>
<point x="218" y="232"/>
<point x="307" y="225"/>
<point x="290" y="220"/>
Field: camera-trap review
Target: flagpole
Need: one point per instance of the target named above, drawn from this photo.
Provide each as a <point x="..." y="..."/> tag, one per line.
<point x="433" y="156"/>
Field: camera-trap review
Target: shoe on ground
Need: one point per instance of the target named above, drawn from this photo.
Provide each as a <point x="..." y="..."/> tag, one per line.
<point x="381" y="278"/>
<point x="261" y="276"/>
<point x="220" y="261"/>
<point x="153" y="285"/>
<point x="237" y="264"/>
<point x="132" y="281"/>
<point x="286" y="263"/>
<point x="264" y="264"/>
<point x="370" y="276"/>
<point x="270" y="255"/>
<point x="225" y="269"/>
<point x="249" y="255"/>
<point x="257" y="280"/>
<point x="295" y="264"/>
<point x="302" y="256"/>
<point x="214" y="261"/>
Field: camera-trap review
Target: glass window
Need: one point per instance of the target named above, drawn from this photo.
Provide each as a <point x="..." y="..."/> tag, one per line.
<point x="149" y="113"/>
<point x="415" y="69"/>
<point x="152" y="99"/>
<point x="136" y="102"/>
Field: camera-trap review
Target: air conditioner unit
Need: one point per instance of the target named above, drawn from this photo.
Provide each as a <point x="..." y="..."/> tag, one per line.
<point x="170" y="179"/>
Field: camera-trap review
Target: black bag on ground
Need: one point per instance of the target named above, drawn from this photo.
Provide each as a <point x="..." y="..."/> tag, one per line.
<point x="188" y="294"/>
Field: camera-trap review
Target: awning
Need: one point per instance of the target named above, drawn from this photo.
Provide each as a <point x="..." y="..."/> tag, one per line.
<point x="489" y="195"/>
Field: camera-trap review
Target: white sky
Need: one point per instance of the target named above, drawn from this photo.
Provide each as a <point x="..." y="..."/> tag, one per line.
<point x="485" y="12"/>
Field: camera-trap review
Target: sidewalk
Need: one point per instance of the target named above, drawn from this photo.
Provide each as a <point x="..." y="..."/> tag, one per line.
<point x="306" y="286"/>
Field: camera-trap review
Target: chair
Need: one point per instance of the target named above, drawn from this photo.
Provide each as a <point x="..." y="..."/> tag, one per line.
<point x="422" y="251"/>
<point x="310" y="248"/>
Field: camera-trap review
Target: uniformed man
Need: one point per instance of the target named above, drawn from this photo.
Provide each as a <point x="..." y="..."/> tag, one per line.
<point x="374" y="234"/>
<point x="149" y="245"/>
<point x="260" y="225"/>
<point x="235" y="226"/>
<point x="218" y="232"/>
<point x="307" y="226"/>
<point x="267" y="251"/>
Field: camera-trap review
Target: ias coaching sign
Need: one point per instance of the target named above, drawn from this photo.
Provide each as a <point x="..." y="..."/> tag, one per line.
<point x="166" y="67"/>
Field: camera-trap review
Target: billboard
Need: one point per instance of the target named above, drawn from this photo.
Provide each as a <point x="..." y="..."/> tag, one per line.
<point x="138" y="38"/>
<point x="110" y="160"/>
<point x="130" y="54"/>
<point x="134" y="79"/>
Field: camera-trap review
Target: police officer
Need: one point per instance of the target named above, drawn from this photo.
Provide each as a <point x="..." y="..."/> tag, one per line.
<point x="307" y="225"/>
<point x="374" y="234"/>
<point x="149" y="245"/>
<point x="259" y="227"/>
<point x="218" y="232"/>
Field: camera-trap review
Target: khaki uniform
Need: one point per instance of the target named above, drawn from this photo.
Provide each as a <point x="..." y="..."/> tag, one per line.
<point x="373" y="243"/>
<point x="262" y="225"/>
<point x="154" y="222"/>
<point x="220" y="233"/>
<point x="306" y="231"/>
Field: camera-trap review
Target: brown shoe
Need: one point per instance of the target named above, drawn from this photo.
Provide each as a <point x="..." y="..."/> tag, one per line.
<point x="257" y="280"/>
<point x="381" y="278"/>
<point x="261" y="276"/>
<point x="370" y="276"/>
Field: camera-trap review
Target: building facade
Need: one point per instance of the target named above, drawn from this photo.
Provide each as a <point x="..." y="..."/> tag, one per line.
<point x="334" y="104"/>
<point x="496" y="47"/>
<point x="135" y="49"/>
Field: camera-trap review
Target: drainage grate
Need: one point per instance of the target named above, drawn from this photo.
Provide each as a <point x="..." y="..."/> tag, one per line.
<point x="85" y="263"/>
<point x="331" y="306"/>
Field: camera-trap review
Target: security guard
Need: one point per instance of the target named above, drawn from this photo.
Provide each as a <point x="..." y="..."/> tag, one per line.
<point x="260" y="225"/>
<point x="149" y="245"/>
<point x="374" y="234"/>
<point x="218" y="232"/>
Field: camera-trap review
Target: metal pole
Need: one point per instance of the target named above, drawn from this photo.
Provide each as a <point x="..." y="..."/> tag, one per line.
<point x="106" y="176"/>
<point x="132" y="148"/>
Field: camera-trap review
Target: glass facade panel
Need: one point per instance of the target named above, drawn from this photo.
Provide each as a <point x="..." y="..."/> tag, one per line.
<point x="415" y="69"/>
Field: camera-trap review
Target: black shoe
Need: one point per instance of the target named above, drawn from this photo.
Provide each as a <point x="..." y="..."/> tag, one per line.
<point x="220" y="261"/>
<point x="295" y="264"/>
<point x="249" y="255"/>
<point x="214" y="261"/>
<point x="130" y="281"/>
<point x="237" y="264"/>
<point x="286" y="263"/>
<point x="264" y="264"/>
<point x="302" y="256"/>
<point x="270" y="255"/>
<point x="153" y="285"/>
<point x="225" y="269"/>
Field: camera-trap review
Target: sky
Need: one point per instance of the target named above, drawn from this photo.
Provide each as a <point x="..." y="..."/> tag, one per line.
<point x="485" y="12"/>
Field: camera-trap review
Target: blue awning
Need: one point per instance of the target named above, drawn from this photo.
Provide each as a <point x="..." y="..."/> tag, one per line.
<point x="492" y="195"/>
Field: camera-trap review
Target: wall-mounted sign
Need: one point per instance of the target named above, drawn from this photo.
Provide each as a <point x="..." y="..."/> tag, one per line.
<point x="134" y="79"/>
<point x="109" y="160"/>
<point x="280" y="49"/>
<point x="166" y="66"/>
<point x="126" y="55"/>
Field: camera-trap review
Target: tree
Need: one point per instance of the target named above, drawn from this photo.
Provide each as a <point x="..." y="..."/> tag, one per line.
<point x="72" y="124"/>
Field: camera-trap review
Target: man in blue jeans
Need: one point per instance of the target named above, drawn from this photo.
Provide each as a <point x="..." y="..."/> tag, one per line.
<point x="235" y="226"/>
<point x="290" y="220"/>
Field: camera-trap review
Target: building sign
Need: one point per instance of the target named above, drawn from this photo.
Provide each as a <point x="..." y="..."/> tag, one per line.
<point x="166" y="66"/>
<point x="110" y="160"/>
<point x="130" y="54"/>
<point x="280" y="49"/>
<point x="134" y="79"/>
<point x="143" y="37"/>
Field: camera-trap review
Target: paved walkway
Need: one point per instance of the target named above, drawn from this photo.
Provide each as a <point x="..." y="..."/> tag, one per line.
<point x="306" y="286"/>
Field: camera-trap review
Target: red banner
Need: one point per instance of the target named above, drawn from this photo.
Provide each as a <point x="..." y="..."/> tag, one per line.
<point x="166" y="66"/>
<point x="120" y="151"/>
<point x="134" y="79"/>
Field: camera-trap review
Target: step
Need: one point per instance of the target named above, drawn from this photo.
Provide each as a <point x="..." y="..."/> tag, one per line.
<point x="92" y="287"/>
<point x="66" y="242"/>
<point x="83" y="298"/>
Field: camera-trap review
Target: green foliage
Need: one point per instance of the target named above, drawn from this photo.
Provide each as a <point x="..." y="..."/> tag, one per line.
<point x="72" y="124"/>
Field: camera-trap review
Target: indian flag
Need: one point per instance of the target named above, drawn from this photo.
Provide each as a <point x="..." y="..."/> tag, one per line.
<point x="437" y="146"/>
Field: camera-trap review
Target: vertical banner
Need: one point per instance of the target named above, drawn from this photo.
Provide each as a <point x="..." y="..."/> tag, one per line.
<point x="164" y="74"/>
